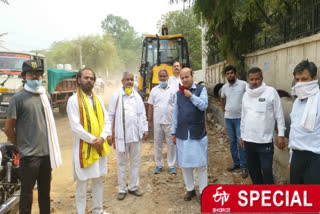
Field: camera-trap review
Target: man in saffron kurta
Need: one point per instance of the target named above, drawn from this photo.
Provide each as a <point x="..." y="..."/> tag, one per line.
<point x="89" y="122"/>
<point x="189" y="132"/>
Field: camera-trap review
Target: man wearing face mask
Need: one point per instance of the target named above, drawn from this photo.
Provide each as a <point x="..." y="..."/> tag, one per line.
<point x="129" y="127"/>
<point x="261" y="107"/>
<point x="90" y="124"/>
<point x="161" y="104"/>
<point x="174" y="80"/>
<point x="189" y="132"/>
<point x="231" y="101"/>
<point x="304" y="138"/>
<point x="31" y="128"/>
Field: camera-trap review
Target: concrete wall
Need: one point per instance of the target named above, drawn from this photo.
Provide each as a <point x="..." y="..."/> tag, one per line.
<point x="277" y="63"/>
<point x="213" y="74"/>
<point x="199" y="75"/>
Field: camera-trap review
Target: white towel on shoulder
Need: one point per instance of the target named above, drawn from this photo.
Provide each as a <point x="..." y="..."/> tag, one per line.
<point x="54" y="149"/>
<point x="119" y="131"/>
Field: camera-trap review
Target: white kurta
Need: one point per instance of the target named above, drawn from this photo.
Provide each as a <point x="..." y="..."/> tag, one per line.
<point x="98" y="168"/>
<point x="259" y="115"/>
<point x="131" y="131"/>
<point x="162" y="100"/>
<point x="174" y="82"/>
<point x="134" y="117"/>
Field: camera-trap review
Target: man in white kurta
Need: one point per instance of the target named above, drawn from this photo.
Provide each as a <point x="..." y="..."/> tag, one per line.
<point x="98" y="169"/>
<point x="304" y="138"/>
<point x="161" y="105"/>
<point x="174" y="80"/>
<point x="261" y="109"/>
<point x="127" y="112"/>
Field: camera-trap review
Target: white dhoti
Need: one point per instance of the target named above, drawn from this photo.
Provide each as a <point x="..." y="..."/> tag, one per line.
<point x="193" y="154"/>
<point x="134" y="151"/>
<point x="97" y="195"/>
<point x="188" y="177"/>
<point x="163" y="132"/>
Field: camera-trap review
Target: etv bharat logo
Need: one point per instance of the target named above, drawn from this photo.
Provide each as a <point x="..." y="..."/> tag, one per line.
<point x="221" y="196"/>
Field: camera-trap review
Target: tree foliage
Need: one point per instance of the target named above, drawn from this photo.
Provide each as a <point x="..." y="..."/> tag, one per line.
<point x="185" y="22"/>
<point x="117" y="50"/>
<point x="4" y="1"/>
<point x="126" y="39"/>
<point x="98" y="53"/>
<point x="233" y="25"/>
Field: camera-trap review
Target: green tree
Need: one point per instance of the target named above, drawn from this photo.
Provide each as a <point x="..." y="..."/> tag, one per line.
<point x="185" y="22"/>
<point x="4" y="1"/>
<point x="127" y="41"/>
<point x="98" y="53"/>
<point x="234" y="25"/>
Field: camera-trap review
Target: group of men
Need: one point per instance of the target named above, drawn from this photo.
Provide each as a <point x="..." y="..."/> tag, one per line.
<point x="177" y="116"/>
<point x="251" y="111"/>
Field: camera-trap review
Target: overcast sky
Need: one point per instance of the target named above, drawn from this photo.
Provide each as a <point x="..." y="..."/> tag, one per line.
<point x="35" y="24"/>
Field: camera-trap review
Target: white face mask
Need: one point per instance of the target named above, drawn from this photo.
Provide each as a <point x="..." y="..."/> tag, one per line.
<point x="304" y="90"/>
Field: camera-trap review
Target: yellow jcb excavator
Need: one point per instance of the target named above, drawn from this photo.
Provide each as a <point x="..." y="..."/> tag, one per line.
<point x="160" y="52"/>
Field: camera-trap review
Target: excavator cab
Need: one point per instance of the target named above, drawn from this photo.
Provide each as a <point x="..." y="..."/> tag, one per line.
<point x="160" y="52"/>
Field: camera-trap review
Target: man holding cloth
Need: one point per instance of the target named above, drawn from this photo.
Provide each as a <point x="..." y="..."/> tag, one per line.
<point x="31" y="128"/>
<point x="128" y="118"/>
<point x="261" y="107"/>
<point x="161" y="105"/>
<point x="189" y="132"/>
<point x="304" y="139"/>
<point x="90" y="124"/>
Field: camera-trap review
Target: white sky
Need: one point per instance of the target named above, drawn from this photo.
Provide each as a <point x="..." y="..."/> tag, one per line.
<point x="35" y="24"/>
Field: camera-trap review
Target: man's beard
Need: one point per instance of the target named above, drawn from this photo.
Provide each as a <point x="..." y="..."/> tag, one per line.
<point x="232" y="80"/>
<point x="87" y="88"/>
<point x="254" y="86"/>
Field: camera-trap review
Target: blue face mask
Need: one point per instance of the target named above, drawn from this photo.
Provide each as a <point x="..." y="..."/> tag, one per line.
<point x="163" y="84"/>
<point x="34" y="84"/>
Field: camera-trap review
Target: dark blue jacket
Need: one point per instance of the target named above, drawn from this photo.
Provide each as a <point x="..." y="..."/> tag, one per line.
<point x="190" y="118"/>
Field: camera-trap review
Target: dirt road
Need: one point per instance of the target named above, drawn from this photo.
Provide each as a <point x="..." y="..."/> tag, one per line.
<point x="163" y="193"/>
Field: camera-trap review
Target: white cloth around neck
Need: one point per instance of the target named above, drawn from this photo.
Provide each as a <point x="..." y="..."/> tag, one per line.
<point x="53" y="142"/>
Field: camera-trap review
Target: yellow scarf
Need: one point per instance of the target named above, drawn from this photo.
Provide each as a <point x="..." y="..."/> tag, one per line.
<point x="92" y="120"/>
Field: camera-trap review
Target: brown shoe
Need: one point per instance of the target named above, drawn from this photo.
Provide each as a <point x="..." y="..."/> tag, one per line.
<point x="121" y="195"/>
<point x="137" y="193"/>
<point x="190" y="195"/>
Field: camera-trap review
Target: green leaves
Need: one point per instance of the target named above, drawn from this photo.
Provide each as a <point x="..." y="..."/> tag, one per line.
<point x="186" y="23"/>
<point x="118" y="50"/>
<point x="98" y="52"/>
<point x="127" y="41"/>
<point x="4" y="1"/>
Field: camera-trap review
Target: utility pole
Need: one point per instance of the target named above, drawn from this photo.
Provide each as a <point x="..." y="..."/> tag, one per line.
<point x="78" y="42"/>
<point x="80" y="55"/>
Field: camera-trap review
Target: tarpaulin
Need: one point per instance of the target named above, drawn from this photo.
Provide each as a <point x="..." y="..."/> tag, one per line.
<point x="57" y="75"/>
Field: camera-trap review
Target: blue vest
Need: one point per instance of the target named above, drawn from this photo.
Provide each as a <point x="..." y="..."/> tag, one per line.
<point x="190" y="118"/>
